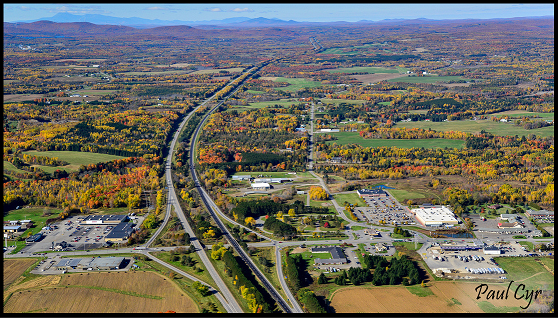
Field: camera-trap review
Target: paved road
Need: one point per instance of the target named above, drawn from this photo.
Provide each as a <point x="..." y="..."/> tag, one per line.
<point x="231" y="302"/>
<point x="214" y="210"/>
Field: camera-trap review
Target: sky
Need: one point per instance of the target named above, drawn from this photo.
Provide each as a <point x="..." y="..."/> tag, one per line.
<point x="305" y="12"/>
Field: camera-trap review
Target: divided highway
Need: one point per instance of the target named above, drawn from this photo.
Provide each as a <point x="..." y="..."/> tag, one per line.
<point x="212" y="207"/>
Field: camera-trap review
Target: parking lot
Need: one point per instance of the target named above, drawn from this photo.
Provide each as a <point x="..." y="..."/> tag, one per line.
<point x="76" y="236"/>
<point x="387" y="209"/>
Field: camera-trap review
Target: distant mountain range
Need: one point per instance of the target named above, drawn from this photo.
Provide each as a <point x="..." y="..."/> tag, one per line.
<point x="239" y="22"/>
<point x="142" y="23"/>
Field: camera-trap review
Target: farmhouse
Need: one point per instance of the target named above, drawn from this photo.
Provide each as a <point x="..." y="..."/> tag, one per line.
<point x="260" y="186"/>
<point x="435" y="216"/>
<point x="103" y="219"/>
<point x="337" y="256"/>
<point x="120" y="233"/>
<point x="372" y="193"/>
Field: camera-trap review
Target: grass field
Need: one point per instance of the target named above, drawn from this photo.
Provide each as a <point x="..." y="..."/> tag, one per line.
<point x="10" y="167"/>
<point x="528" y="271"/>
<point x="116" y="292"/>
<point x="297" y="83"/>
<point x="352" y="198"/>
<point x="75" y="158"/>
<point x="154" y="73"/>
<point x="426" y="79"/>
<point x="403" y="195"/>
<point x="475" y="126"/>
<point x="364" y="69"/>
<point x="282" y="102"/>
<point x="345" y="137"/>
<point x="522" y="113"/>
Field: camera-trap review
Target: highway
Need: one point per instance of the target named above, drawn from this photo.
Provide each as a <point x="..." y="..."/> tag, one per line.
<point x="212" y="207"/>
<point x="231" y="304"/>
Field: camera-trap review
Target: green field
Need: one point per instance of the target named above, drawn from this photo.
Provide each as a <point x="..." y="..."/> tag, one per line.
<point x="346" y="137"/>
<point x="365" y="69"/>
<point x="475" y="126"/>
<point x="519" y="114"/>
<point x="420" y="291"/>
<point x="297" y="83"/>
<point x="10" y="167"/>
<point x="281" y="102"/>
<point x="488" y="307"/>
<point x="527" y="271"/>
<point x="352" y="198"/>
<point x="75" y="158"/>
<point x="251" y="91"/>
<point x="403" y="195"/>
<point x="426" y="79"/>
<point x="154" y="73"/>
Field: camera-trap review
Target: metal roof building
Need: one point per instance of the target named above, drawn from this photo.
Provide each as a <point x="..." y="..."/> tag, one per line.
<point x="337" y="256"/>
<point x="120" y="232"/>
<point x="103" y="219"/>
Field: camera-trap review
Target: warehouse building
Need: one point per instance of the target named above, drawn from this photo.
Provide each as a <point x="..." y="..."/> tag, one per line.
<point x="491" y="250"/>
<point x="103" y="219"/>
<point x="372" y="193"/>
<point x="91" y="263"/>
<point x="337" y="256"/>
<point x="435" y="216"/>
<point x="241" y="177"/>
<point x="260" y="186"/>
<point x="120" y="233"/>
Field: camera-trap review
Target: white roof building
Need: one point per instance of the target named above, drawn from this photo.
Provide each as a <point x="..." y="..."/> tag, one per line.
<point x="434" y="216"/>
<point x="261" y="185"/>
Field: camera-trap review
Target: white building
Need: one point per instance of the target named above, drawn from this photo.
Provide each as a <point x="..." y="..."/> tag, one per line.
<point x="435" y="216"/>
<point x="260" y="186"/>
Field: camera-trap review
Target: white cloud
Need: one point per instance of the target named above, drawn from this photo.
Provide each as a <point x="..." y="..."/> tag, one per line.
<point x="241" y="10"/>
<point x="73" y="9"/>
<point x="213" y="9"/>
<point x="157" y="8"/>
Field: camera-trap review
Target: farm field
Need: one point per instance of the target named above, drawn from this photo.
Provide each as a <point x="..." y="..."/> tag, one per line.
<point x="75" y="158"/>
<point x="426" y="79"/>
<point x="520" y="113"/>
<point x="346" y="137"/>
<point x="13" y="268"/>
<point x="365" y="69"/>
<point x="281" y="102"/>
<point x="156" y="73"/>
<point x="297" y="83"/>
<point x="116" y="292"/>
<point x="447" y="297"/>
<point x="475" y="126"/>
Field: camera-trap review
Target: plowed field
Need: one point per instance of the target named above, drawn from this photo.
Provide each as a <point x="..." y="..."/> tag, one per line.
<point x="132" y="292"/>
<point x="13" y="268"/>
<point x="397" y="299"/>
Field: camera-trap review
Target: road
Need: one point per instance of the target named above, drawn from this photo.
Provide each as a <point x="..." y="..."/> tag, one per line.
<point x="212" y="208"/>
<point x="231" y="302"/>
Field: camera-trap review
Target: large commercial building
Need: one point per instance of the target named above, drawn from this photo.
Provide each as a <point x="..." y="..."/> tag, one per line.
<point x="372" y="193"/>
<point x="260" y="186"/>
<point x="103" y="219"/>
<point x="337" y="256"/>
<point x="542" y="214"/>
<point x="435" y="216"/>
<point x="91" y="263"/>
<point x="120" y="233"/>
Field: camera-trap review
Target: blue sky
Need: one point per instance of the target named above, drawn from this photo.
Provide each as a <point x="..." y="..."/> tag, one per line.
<point x="311" y="12"/>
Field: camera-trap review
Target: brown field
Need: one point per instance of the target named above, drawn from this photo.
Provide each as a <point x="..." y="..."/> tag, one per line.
<point x="397" y="299"/>
<point x="131" y="292"/>
<point x="80" y="60"/>
<point x="13" y="268"/>
<point x="268" y="78"/>
<point x="387" y="300"/>
<point x="14" y="98"/>
<point x="374" y="78"/>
